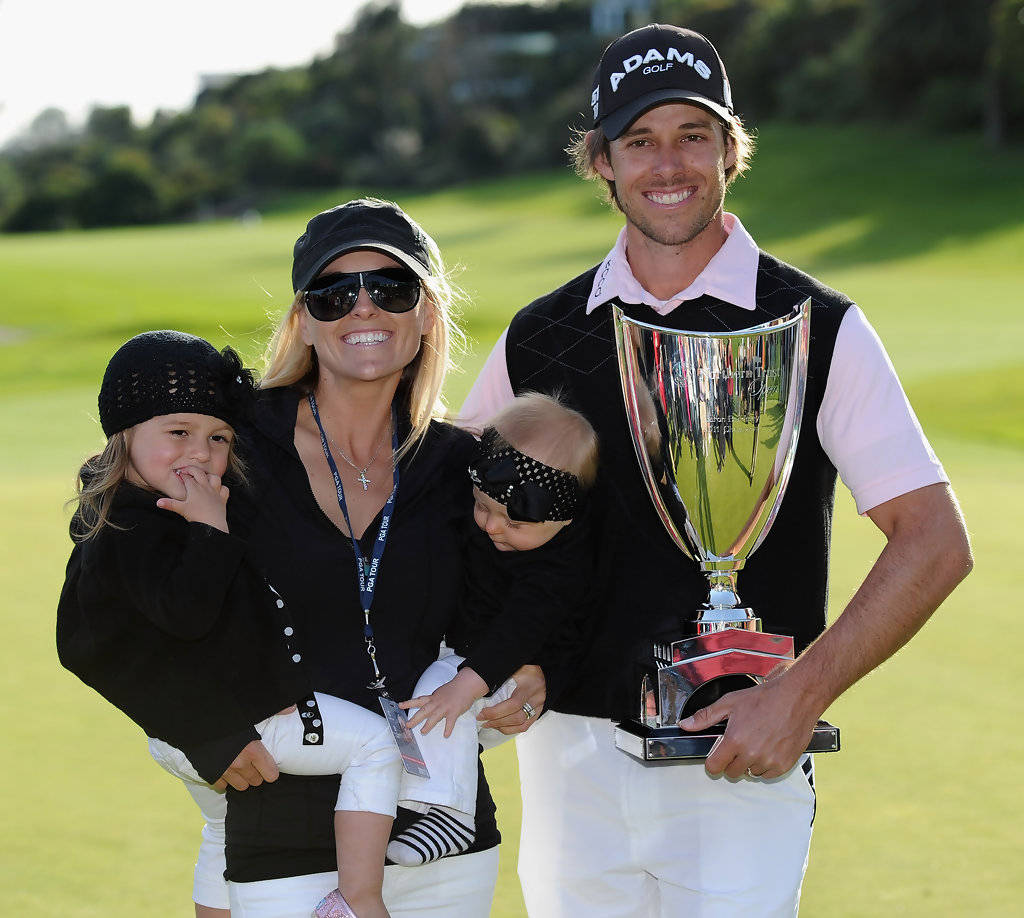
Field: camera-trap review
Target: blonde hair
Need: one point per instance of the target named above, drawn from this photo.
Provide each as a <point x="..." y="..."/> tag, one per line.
<point x="544" y="428"/>
<point x="289" y="361"/>
<point x="101" y="475"/>
<point x="586" y="146"/>
<point x="98" y="479"/>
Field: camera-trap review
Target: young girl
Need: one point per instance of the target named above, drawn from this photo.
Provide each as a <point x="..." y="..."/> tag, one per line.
<point x="528" y="559"/>
<point x="162" y="613"/>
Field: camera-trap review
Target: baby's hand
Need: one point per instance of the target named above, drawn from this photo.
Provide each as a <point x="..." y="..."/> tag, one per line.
<point x="205" y="499"/>
<point x="448" y="702"/>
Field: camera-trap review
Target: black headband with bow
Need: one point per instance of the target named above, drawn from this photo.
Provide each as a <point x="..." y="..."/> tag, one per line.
<point x="531" y="491"/>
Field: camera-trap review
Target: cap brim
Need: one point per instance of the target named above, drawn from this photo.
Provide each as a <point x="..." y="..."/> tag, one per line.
<point x="615" y="123"/>
<point x="351" y="246"/>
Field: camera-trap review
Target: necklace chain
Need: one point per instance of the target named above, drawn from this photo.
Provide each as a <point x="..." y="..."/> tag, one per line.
<point x="361" y="477"/>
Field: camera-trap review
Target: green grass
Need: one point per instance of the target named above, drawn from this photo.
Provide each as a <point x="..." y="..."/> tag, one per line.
<point x="921" y="812"/>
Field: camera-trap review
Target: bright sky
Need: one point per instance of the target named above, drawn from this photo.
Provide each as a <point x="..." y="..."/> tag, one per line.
<point x="73" y="54"/>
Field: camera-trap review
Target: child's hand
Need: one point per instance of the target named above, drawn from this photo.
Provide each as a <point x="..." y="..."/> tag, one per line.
<point x="251" y="767"/>
<point x="448" y="702"/>
<point x="205" y="499"/>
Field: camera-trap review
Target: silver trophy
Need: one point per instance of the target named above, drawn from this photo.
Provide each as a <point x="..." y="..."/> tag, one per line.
<point x="715" y="419"/>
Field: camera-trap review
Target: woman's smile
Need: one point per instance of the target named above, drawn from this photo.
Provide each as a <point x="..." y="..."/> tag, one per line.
<point x="367" y="338"/>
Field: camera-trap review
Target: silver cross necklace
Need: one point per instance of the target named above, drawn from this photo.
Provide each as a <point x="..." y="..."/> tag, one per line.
<point x="361" y="477"/>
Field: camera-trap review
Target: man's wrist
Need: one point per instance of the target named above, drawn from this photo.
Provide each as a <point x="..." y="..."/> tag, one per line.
<point x="805" y="686"/>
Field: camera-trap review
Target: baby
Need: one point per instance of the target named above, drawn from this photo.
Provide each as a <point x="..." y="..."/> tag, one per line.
<point x="528" y="560"/>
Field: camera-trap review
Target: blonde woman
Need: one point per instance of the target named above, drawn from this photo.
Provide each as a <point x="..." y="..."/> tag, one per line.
<point x="356" y="509"/>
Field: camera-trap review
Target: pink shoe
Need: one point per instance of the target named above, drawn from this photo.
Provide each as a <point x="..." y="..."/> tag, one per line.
<point x="333" y="905"/>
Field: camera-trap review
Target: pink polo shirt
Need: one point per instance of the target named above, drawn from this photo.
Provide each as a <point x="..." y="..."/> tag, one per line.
<point x="865" y="424"/>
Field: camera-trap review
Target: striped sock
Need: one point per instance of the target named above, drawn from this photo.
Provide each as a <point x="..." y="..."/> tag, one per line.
<point x="441" y="832"/>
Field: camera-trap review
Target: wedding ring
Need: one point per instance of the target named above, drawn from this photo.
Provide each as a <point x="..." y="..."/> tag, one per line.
<point x="528" y="710"/>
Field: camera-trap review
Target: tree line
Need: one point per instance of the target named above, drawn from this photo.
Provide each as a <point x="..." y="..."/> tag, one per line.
<point x="493" y="90"/>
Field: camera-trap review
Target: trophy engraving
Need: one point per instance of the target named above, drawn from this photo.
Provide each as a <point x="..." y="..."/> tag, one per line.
<point x="715" y="419"/>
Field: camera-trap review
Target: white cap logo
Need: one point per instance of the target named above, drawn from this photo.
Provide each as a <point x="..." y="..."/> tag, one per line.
<point x="650" y="62"/>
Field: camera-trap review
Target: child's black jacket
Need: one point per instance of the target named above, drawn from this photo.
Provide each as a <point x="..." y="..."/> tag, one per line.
<point x="168" y="621"/>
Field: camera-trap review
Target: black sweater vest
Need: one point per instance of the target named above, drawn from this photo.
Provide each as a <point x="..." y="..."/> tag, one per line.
<point x="644" y="586"/>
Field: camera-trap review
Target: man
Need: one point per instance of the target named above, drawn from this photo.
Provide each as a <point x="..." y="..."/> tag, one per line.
<point x="603" y="834"/>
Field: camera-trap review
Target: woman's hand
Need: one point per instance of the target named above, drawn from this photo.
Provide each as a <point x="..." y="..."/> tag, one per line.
<point x="511" y="716"/>
<point x="251" y="767"/>
<point x="447" y="702"/>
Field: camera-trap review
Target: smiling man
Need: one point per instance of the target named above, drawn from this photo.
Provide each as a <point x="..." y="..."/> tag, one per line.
<point x="603" y="834"/>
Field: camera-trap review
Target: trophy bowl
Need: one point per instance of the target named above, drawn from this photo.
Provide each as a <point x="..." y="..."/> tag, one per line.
<point x="714" y="418"/>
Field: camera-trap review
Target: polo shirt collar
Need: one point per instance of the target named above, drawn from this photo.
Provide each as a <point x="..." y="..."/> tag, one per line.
<point x="731" y="275"/>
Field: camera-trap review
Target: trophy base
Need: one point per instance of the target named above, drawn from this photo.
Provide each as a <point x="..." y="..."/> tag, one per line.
<point x="665" y="745"/>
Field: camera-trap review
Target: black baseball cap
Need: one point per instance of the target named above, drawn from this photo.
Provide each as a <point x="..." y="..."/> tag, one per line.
<point x="366" y="223"/>
<point x="654" y="65"/>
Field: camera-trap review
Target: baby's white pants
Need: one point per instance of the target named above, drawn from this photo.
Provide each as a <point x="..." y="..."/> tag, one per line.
<point x="452" y="760"/>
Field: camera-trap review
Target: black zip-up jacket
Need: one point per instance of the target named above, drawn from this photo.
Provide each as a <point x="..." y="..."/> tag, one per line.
<point x="526" y="607"/>
<point x="171" y="622"/>
<point x="286" y="828"/>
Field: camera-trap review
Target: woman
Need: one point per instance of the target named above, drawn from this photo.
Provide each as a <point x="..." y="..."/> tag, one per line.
<point x="354" y="378"/>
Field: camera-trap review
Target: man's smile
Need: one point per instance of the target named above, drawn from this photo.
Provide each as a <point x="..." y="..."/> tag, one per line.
<point x="668" y="198"/>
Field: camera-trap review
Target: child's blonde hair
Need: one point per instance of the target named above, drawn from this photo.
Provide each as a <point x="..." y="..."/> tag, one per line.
<point x="544" y="428"/>
<point x="98" y="479"/>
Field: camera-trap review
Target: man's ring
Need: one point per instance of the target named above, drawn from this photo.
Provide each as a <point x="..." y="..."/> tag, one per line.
<point x="528" y="710"/>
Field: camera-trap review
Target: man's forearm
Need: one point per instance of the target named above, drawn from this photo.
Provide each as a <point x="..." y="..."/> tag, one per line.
<point x="927" y="554"/>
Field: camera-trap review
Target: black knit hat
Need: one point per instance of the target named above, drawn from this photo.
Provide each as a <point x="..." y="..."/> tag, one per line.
<point x="366" y="223"/>
<point x="167" y="372"/>
<point x="652" y="66"/>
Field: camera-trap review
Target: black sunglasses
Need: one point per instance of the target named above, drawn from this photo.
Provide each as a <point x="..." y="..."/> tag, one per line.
<point x="335" y="295"/>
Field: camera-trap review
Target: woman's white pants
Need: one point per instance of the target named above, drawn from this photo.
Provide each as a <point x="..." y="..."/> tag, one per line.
<point x="453" y="887"/>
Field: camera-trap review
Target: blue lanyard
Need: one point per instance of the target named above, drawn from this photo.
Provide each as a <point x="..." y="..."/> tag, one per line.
<point x="367" y="573"/>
